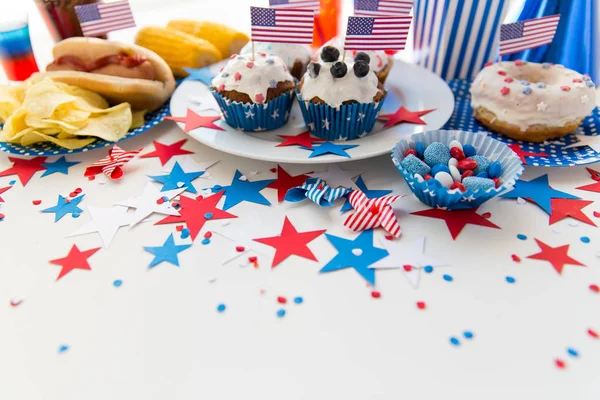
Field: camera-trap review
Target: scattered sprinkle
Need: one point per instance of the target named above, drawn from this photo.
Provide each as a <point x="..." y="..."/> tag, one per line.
<point x="596" y="214"/>
<point x="560" y="363"/>
<point x="36" y="202"/>
<point x="239" y="249"/>
<point x="208" y="235"/>
<point x="454" y="341"/>
<point x="407" y="268"/>
<point x="594" y="288"/>
<point x="76" y="215"/>
<point x="208" y="215"/>
<point x="221" y="307"/>
<point x="572" y="352"/>
<point x="185" y="233"/>
<point x="520" y="236"/>
<point x="510" y="279"/>
<point x="585" y="239"/>
<point x="298" y="300"/>
<point x="516" y="258"/>
<point x="573" y="223"/>
<point x="487" y="215"/>
<point x="375" y="294"/>
<point x="593" y="333"/>
<point x="280" y="313"/>
<point x="421" y="305"/>
<point x="117" y="283"/>
<point x="12" y="182"/>
<point x="428" y="269"/>
<point x="16" y="302"/>
<point x="281" y="299"/>
<point x="205" y="241"/>
<point x="179" y="228"/>
<point x="448" y="278"/>
<point x="468" y="335"/>
<point x="63" y="348"/>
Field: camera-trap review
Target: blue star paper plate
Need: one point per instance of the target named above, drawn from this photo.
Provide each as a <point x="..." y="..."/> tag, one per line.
<point x="50" y="149"/>
<point x="557" y="155"/>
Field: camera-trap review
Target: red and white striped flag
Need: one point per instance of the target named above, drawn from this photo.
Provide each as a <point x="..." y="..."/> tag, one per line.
<point x="111" y="164"/>
<point x="378" y="8"/>
<point x="287" y="25"/>
<point x="304" y="4"/>
<point x="527" y="34"/>
<point x="377" y="33"/>
<point x="100" y="18"/>
<point x="372" y="213"/>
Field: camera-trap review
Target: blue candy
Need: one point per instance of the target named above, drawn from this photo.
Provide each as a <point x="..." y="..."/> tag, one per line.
<point x="437" y="153"/>
<point x="415" y="166"/>
<point x="541" y="85"/>
<point x="495" y="170"/>
<point x="469" y="150"/>
<point x="474" y="183"/>
<point x="525" y="83"/>
<point x="420" y="148"/>
<point x="482" y="164"/>
<point x="439" y="168"/>
<point x="483" y="174"/>
<point x="527" y="90"/>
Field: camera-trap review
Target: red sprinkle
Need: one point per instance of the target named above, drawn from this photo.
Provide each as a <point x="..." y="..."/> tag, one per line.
<point x="487" y="64"/>
<point x="410" y="151"/>
<point x="281" y="299"/>
<point x="208" y="235"/>
<point x="503" y="73"/>
<point x="2" y="216"/>
<point x="518" y="63"/>
<point x="179" y="228"/>
<point x="239" y="249"/>
<point x="505" y="91"/>
<point x="516" y="258"/>
<point x="259" y="98"/>
<point x="250" y="64"/>
<point x="459" y="186"/>
<point x="497" y="182"/>
<point x="375" y="294"/>
<point x="160" y="200"/>
<point x="508" y="79"/>
<point x="252" y="259"/>
<point x="560" y="363"/>
<point x="175" y="204"/>
<point x="91" y="177"/>
<point x="577" y="80"/>
<point x="221" y="87"/>
<point x="321" y="187"/>
<point x="596" y="214"/>
<point x="427" y="177"/>
<point x="36" y="202"/>
<point x="389" y="237"/>
<point x="273" y="169"/>
<point x="595" y="288"/>
<point x="78" y="190"/>
<point x="457" y="153"/>
<point x="407" y="268"/>
<point x="237" y="76"/>
<point x="565" y="88"/>
<point x="260" y="53"/>
<point x="421" y="305"/>
<point x="72" y="194"/>
<point x="467" y="164"/>
<point x="487" y="215"/>
<point x="466" y="174"/>
<point x="232" y="57"/>
<point x="593" y="333"/>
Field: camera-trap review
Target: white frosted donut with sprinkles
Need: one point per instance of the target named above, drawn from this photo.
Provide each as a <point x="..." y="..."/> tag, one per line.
<point x="530" y="101"/>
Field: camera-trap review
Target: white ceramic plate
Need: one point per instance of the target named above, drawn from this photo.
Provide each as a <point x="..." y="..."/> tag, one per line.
<point x="410" y="85"/>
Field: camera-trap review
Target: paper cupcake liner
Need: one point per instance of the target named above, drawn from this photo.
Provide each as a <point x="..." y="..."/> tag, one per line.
<point x="346" y="122"/>
<point x="455" y="199"/>
<point x="256" y="117"/>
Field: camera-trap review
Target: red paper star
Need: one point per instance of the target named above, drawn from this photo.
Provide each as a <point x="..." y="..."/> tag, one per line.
<point x="595" y="175"/>
<point x="592" y="187"/>
<point x="2" y="190"/>
<point x="557" y="256"/>
<point x="194" y="121"/>
<point x="522" y="154"/>
<point x="165" y="152"/>
<point x="563" y="208"/>
<point x="195" y="213"/>
<point x="405" y="115"/>
<point x="456" y="220"/>
<point x="285" y="182"/>
<point x="303" y="139"/>
<point x="76" y="259"/>
<point x="24" y="169"/>
<point x="291" y="242"/>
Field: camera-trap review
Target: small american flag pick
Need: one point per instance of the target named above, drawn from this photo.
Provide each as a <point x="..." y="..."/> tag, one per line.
<point x="527" y="34"/>
<point x="372" y="213"/>
<point x="100" y="18"/>
<point x="378" y="8"/>
<point x="377" y="33"/>
<point x="304" y="4"/>
<point x="287" y="25"/>
<point x="111" y="164"/>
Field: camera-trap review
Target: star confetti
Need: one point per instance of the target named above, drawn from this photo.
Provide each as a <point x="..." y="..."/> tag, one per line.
<point x="105" y="221"/>
<point x="152" y="200"/>
<point x="24" y="168"/>
<point x="178" y="178"/>
<point x="285" y="182"/>
<point x="539" y="191"/>
<point x="557" y="256"/>
<point x="59" y="166"/>
<point x="317" y="191"/>
<point x="522" y="154"/>
<point x="65" y="206"/>
<point x="76" y="259"/>
<point x="206" y="101"/>
<point x="331" y="148"/>
<point x="241" y="189"/>
<point x="204" y="75"/>
<point x="167" y="252"/>
<point x="404" y="115"/>
<point x="456" y="220"/>
<point x="372" y="213"/>
<point x="2" y="190"/>
<point x="195" y="212"/>
<point x="165" y="152"/>
<point x="194" y="121"/>
<point x="304" y="139"/>
<point x="593" y="187"/>
<point x="291" y="242"/>
<point x="359" y="254"/>
<point x="112" y="165"/>
<point x="563" y="208"/>
<point x="336" y="177"/>
<point x="371" y="194"/>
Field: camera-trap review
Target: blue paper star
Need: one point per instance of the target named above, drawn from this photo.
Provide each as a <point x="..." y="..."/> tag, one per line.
<point x="64" y="207"/>
<point x="364" y="255"/>
<point x="371" y="194"/>
<point x="178" y="178"/>
<point x="539" y="191"/>
<point x="330" y="148"/>
<point x="204" y="75"/>
<point x="61" y="165"/>
<point x="167" y="252"/>
<point x="244" y="190"/>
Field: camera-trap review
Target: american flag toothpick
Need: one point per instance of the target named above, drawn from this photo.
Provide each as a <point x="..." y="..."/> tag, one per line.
<point x="527" y="34"/>
<point x="377" y="33"/>
<point x="378" y="8"/>
<point x="101" y="18"/>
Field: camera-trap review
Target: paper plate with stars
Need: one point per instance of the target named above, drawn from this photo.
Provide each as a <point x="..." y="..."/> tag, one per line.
<point x="417" y="101"/>
<point x="579" y="148"/>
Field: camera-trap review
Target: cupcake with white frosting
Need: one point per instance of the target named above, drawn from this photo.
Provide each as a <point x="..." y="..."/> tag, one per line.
<point x="295" y="56"/>
<point x="254" y="94"/>
<point x="340" y="100"/>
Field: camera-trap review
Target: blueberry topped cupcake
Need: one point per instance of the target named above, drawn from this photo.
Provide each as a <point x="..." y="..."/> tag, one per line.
<point x="340" y="100"/>
<point x="295" y="56"/>
<point x="254" y="95"/>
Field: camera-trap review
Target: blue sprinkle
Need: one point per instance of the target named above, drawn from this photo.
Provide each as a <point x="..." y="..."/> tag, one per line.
<point x="12" y="183"/>
<point x="185" y="233"/>
<point x="224" y="74"/>
<point x="469" y="150"/>
<point x="165" y="198"/>
<point x="221" y="307"/>
<point x="428" y="269"/>
<point x="439" y="168"/>
<point x="495" y="170"/>
<point x="541" y="85"/>
<point x="525" y="83"/>
<point x="520" y="236"/>
<point x="474" y="183"/>
<point x="415" y="166"/>
<point x="572" y="352"/>
<point x="208" y="215"/>
<point x="589" y="84"/>
<point x="62" y="348"/>
<point x="468" y="334"/>
<point x="454" y="341"/>
<point x="75" y="215"/>
<point x="586" y="78"/>
<point x="437" y="153"/>
<point x="117" y="283"/>
<point x="205" y="241"/>
<point x="270" y="61"/>
<point x="281" y="313"/>
<point x="510" y="279"/>
<point x="240" y="57"/>
<point x="527" y="90"/>
<point x="448" y="278"/>
<point x="585" y="239"/>
<point x="217" y="188"/>
<point x="482" y="164"/>
<point x="272" y="83"/>
<point x="420" y="148"/>
<point x="298" y="300"/>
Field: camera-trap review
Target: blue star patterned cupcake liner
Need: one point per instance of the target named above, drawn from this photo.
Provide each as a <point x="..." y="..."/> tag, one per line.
<point x="256" y="117"/>
<point x="347" y="122"/>
<point x="433" y="194"/>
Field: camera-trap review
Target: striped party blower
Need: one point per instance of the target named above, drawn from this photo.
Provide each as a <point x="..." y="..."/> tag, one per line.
<point x="372" y="213"/>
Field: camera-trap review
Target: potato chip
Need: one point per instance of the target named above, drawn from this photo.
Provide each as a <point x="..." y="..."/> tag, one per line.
<point x="33" y="137"/>
<point x="138" y="119"/>
<point x="11" y="98"/>
<point x="110" y="126"/>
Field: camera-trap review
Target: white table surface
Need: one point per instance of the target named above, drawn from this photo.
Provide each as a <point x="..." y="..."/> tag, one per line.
<point x="159" y="336"/>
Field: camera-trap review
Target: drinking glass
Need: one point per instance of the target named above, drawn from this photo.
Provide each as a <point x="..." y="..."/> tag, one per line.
<point x="16" y="54"/>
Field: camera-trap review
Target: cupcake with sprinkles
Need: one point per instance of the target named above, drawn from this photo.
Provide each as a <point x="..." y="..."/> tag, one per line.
<point x="254" y="94"/>
<point x="340" y="100"/>
<point x="295" y="56"/>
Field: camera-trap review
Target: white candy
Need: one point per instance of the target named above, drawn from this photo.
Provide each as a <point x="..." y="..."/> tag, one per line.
<point x="453" y="161"/>
<point x="455" y="173"/>
<point x="444" y="178"/>
<point x="455" y="143"/>
<point x="419" y="178"/>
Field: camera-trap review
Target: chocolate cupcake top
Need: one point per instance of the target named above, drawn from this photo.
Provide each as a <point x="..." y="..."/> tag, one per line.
<point x="290" y="53"/>
<point x="378" y="60"/>
<point x="253" y="81"/>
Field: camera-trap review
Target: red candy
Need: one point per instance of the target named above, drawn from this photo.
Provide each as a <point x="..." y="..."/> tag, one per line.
<point x="407" y="268"/>
<point x="281" y="299"/>
<point x="252" y="259"/>
<point x="208" y="235"/>
<point x="595" y="288"/>
<point x="503" y="73"/>
<point x="516" y="258"/>
<point x="466" y="174"/>
<point x="239" y="249"/>
<point x="467" y="164"/>
<point x="36" y="202"/>
<point x="518" y="63"/>
<point x="565" y="88"/>
<point x="421" y="305"/>
<point x="487" y="64"/>
<point x="259" y="98"/>
<point x="237" y="76"/>
<point x="497" y="182"/>
<point x="410" y="151"/>
<point x="459" y="186"/>
<point x="457" y="153"/>
<point x="505" y="91"/>
<point x="508" y="79"/>
<point x="427" y="177"/>
<point x="375" y="294"/>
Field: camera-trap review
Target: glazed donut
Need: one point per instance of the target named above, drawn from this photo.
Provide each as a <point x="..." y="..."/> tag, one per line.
<point x="531" y="102"/>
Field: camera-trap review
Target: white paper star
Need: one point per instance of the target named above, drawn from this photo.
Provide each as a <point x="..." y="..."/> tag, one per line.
<point x="146" y="204"/>
<point x="336" y="177"/>
<point x="205" y="102"/>
<point x="542" y="106"/>
<point x="586" y="140"/>
<point x="242" y="233"/>
<point x="105" y="221"/>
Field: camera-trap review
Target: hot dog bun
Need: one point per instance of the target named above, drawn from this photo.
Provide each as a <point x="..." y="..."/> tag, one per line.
<point x="141" y="94"/>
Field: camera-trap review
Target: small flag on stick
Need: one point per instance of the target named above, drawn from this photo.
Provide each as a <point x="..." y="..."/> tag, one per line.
<point x="100" y="18"/>
<point x="527" y="34"/>
<point x="378" y="8"/>
<point x="377" y="33"/>
<point x="287" y="25"/>
<point x="303" y="4"/>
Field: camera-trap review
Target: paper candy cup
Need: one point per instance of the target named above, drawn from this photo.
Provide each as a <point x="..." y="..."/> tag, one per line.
<point x="256" y="117"/>
<point x="455" y="199"/>
<point x="346" y="122"/>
